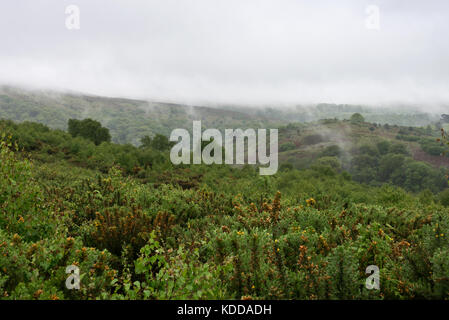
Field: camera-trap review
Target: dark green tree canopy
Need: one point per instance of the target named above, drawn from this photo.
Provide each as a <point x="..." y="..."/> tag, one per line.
<point x="145" y="142"/>
<point x="159" y="142"/>
<point x="89" y="129"/>
<point x="357" y="118"/>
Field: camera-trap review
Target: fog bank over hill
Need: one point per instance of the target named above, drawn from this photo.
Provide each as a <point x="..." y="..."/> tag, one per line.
<point x="251" y="52"/>
<point x="131" y="119"/>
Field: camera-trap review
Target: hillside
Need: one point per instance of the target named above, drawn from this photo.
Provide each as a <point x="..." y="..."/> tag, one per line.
<point x="365" y="150"/>
<point x="128" y="120"/>
<point x="309" y="140"/>
<point x="373" y="154"/>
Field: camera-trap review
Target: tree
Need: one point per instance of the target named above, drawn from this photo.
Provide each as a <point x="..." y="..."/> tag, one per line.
<point x="399" y="148"/>
<point x="444" y="197"/>
<point x="312" y="139"/>
<point x="160" y="142"/>
<point x="390" y="163"/>
<point x="368" y="149"/>
<point x="332" y="162"/>
<point x="418" y="176"/>
<point x="287" y="146"/>
<point x="145" y="142"/>
<point x="365" y="168"/>
<point x="89" y="129"/>
<point x="357" y="118"/>
<point x="384" y="147"/>
<point x="331" y="151"/>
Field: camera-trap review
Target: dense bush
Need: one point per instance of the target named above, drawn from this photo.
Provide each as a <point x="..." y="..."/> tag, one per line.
<point x="89" y="129"/>
<point x="432" y="146"/>
<point x="214" y="232"/>
<point x="390" y="163"/>
<point x="287" y="146"/>
<point x="313" y="139"/>
<point x="444" y="198"/>
<point x="357" y="118"/>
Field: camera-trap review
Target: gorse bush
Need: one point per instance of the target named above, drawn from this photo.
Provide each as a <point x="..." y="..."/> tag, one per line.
<point x="139" y="228"/>
<point x="118" y="228"/>
<point x="34" y="247"/>
<point x="22" y="207"/>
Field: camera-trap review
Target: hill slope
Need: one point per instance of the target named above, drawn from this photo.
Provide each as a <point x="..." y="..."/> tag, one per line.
<point x="129" y="120"/>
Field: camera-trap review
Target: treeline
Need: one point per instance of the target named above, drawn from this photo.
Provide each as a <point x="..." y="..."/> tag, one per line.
<point x="370" y="153"/>
<point x="87" y="145"/>
<point x="128" y="120"/>
<point x="386" y="162"/>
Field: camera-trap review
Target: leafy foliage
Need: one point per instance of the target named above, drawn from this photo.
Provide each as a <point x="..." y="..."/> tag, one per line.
<point x="140" y="228"/>
<point x="89" y="129"/>
<point x="357" y="118"/>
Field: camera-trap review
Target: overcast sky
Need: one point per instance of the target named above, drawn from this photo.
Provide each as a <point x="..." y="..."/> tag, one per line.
<point x="232" y="51"/>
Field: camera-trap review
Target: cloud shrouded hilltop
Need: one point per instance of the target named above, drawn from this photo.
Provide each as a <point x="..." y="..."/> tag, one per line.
<point x="240" y="52"/>
<point x="131" y="119"/>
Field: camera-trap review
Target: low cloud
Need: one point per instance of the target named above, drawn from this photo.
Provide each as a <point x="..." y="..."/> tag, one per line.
<point x="246" y="52"/>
